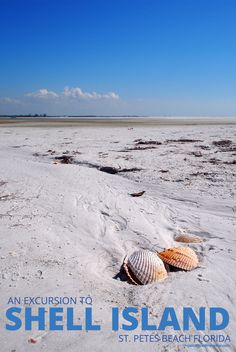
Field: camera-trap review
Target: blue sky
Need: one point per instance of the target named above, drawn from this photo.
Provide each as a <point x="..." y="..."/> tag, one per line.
<point x="158" y="57"/>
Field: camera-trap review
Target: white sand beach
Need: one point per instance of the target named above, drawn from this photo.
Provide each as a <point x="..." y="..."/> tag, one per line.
<point x="66" y="228"/>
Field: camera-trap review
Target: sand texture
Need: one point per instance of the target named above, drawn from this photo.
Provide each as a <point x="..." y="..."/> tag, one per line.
<point x="66" y="225"/>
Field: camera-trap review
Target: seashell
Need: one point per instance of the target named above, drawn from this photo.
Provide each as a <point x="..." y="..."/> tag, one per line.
<point x="188" y="239"/>
<point x="180" y="257"/>
<point x="139" y="194"/>
<point x="144" y="267"/>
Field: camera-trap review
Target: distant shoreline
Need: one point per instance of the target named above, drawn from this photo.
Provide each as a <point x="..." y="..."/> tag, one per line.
<point x="114" y="121"/>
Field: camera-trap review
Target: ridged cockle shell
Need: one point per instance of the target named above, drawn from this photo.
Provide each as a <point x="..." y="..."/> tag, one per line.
<point x="188" y="239"/>
<point x="144" y="267"/>
<point x="180" y="257"/>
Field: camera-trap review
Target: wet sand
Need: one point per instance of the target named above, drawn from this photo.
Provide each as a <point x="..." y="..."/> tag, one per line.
<point x="114" y="121"/>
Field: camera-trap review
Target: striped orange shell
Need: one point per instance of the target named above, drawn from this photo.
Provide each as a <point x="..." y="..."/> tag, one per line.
<point x="188" y="239"/>
<point x="144" y="267"/>
<point x="180" y="257"/>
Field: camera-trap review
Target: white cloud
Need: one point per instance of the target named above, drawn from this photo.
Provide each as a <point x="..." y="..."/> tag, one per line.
<point x="7" y="100"/>
<point x="42" y="93"/>
<point x="78" y="93"/>
<point x="72" y="93"/>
